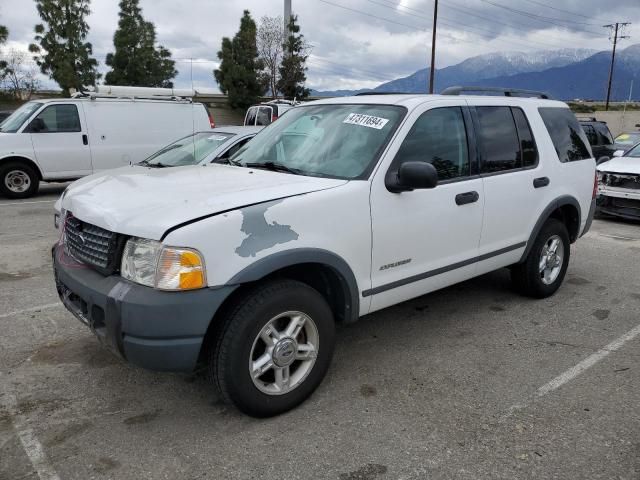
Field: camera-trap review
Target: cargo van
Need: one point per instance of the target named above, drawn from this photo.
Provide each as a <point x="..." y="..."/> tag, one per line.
<point x="266" y="113"/>
<point x="65" y="139"/>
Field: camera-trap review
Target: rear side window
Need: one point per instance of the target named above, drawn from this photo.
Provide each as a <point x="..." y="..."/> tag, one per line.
<point x="57" y="118"/>
<point x="591" y="134"/>
<point x="499" y="139"/>
<point x="528" y="148"/>
<point x="603" y="132"/>
<point x="250" y="118"/>
<point x="568" y="138"/>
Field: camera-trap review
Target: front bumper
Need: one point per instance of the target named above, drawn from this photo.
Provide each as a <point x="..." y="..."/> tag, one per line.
<point x="147" y="327"/>
<point x="623" y="207"/>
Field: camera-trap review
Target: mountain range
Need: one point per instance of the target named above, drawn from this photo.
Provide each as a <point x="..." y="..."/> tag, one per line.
<point x="565" y="74"/>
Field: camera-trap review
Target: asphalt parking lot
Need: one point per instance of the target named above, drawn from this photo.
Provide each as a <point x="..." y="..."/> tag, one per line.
<point x="470" y="382"/>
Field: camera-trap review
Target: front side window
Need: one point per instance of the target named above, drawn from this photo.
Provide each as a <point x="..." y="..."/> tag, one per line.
<point x="498" y="139"/>
<point x="438" y="137"/>
<point x="331" y="140"/>
<point x="56" y="119"/>
<point x="13" y="122"/>
<point x="568" y="138"/>
<point x="188" y="150"/>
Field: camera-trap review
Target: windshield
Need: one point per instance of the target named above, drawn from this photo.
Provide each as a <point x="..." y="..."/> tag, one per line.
<point x="14" y="121"/>
<point x="628" y="138"/>
<point x="634" y="152"/>
<point x="338" y="141"/>
<point x="189" y="150"/>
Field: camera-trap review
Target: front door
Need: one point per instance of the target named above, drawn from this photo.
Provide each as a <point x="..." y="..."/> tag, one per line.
<point x="60" y="141"/>
<point x="427" y="239"/>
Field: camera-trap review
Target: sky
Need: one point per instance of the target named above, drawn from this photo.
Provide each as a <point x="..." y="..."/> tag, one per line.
<point x="355" y="43"/>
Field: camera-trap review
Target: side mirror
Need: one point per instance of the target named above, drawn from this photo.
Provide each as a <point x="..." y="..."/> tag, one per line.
<point x="37" y="125"/>
<point x="602" y="160"/>
<point x="618" y="153"/>
<point x="411" y="176"/>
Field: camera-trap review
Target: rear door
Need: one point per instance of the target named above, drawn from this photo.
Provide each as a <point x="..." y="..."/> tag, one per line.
<point x="516" y="189"/>
<point x="60" y="142"/>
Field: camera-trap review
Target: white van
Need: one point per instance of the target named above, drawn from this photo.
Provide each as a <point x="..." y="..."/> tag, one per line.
<point x="65" y="139"/>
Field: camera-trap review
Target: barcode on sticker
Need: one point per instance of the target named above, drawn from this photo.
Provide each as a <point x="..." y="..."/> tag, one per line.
<point x="366" y="120"/>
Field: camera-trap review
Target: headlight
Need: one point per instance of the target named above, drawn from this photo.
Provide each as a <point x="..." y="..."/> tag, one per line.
<point x="150" y="263"/>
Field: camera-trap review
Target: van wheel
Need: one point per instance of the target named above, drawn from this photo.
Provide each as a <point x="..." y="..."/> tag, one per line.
<point x="274" y="349"/>
<point x="18" y="180"/>
<point x="543" y="271"/>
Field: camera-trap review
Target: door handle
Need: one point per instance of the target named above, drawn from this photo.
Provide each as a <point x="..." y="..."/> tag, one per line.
<point x="467" y="197"/>
<point x="85" y="139"/>
<point x="541" y="182"/>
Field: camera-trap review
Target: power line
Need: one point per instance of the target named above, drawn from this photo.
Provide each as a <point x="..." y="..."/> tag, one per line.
<point x="558" y="9"/>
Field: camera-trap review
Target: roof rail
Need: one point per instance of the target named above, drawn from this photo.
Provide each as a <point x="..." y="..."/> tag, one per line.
<point x="589" y="119"/>
<point x="168" y="98"/>
<point x="507" y="92"/>
<point x="364" y="94"/>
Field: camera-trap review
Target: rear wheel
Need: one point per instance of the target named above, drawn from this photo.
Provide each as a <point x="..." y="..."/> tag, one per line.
<point x="543" y="271"/>
<point x="274" y="348"/>
<point x="18" y="180"/>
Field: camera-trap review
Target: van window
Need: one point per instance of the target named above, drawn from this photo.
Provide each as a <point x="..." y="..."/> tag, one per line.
<point x="568" y="138"/>
<point x="56" y="119"/>
<point x="264" y="116"/>
<point x="527" y="142"/>
<point x="498" y="139"/>
<point x="250" y="118"/>
<point x="438" y="137"/>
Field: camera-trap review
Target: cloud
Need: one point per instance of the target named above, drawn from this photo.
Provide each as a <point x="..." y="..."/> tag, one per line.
<point x="356" y="43"/>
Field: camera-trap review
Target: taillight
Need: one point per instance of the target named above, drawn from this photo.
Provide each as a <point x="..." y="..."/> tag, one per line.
<point x="274" y="118"/>
<point x="211" y="122"/>
<point x="595" y="187"/>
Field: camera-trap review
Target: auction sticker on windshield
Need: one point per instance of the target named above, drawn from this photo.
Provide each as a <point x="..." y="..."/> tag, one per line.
<point x="366" y="120"/>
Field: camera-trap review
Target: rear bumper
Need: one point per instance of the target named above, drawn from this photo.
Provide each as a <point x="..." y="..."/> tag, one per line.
<point x="147" y="327"/>
<point x="627" y="208"/>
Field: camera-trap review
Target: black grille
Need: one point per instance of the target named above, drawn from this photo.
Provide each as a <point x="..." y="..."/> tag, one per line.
<point x="92" y="245"/>
<point x="622" y="181"/>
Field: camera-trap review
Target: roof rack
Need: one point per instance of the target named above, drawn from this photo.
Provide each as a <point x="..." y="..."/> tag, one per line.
<point x="168" y="98"/>
<point x="507" y="92"/>
<point x="364" y="94"/>
<point x="589" y="119"/>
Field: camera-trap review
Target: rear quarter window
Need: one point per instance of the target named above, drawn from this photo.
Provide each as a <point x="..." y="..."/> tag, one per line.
<point x="568" y="138"/>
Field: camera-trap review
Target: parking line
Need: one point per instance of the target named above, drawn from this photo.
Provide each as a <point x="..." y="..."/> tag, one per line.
<point x="27" y="203"/>
<point x="31" y="309"/>
<point x="32" y="446"/>
<point x="587" y="363"/>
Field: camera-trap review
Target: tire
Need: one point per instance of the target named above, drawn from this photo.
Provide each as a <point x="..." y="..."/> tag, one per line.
<point x="240" y="348"/>
<point x="18" y="180"/>
<point x="528" y="277"/>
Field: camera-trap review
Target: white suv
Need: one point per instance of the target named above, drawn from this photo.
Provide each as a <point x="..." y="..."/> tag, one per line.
<point x="343" y="207"/>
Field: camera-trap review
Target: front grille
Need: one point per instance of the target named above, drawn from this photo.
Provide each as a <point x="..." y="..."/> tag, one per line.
<point x="92" y="245"/>
<point x="625" y="203"/>
<point x="622" y="181"/>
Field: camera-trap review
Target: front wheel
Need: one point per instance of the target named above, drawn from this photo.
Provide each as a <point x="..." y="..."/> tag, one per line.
<point x="274" y="348"/>
<point x="18" y="180"/>
<point x="542" y="272"/>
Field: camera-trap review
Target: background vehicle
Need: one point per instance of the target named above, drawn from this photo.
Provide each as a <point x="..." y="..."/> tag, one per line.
<point x="65" y="139"/>
<point x="625" y="141"/>
<point x="4" y="114"/>
<point x="619" y="185"/>
<point x="599" y="136"/>
<point x="268" y="112"/>
<point x="202" y="147"/>
<point x="247" y="266"/>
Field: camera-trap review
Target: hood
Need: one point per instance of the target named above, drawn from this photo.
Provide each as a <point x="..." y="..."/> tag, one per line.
<point x="621" y="165"/>
<point x="146" y="202"/>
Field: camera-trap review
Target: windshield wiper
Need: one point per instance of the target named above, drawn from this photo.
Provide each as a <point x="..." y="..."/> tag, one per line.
<point x="156" y="165"/>
<point x="275" y="167"/>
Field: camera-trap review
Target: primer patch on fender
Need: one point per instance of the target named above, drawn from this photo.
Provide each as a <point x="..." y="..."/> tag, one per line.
<point x="260" y="234"/>
<point x="366" y="120"/>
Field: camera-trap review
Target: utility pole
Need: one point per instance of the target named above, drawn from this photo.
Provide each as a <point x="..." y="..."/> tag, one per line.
<point x="617" y="27"/>
<point x="433" y="46"/>
<point x="287" y="16"/>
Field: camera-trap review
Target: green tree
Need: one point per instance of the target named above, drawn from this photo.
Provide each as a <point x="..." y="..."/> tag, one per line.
<point x="60" y="48"/>
<point x="136" y="60"/>
<point x="294" y="63"/>
<point x="239" y="73"/>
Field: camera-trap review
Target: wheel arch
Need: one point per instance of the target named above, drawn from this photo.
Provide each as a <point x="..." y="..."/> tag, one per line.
<point x="566" y="209"/>
<point x="22" y="159"/>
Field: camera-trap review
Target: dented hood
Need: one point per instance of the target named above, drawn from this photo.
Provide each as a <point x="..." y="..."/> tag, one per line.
<point x="621" y="165"/>
<point x="146" y="202"/>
